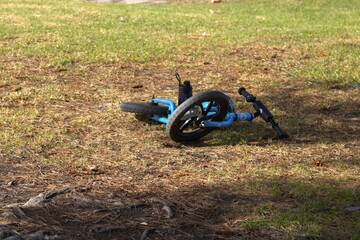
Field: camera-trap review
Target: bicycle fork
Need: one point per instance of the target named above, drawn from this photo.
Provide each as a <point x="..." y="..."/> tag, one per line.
<point x="260" y="110"/>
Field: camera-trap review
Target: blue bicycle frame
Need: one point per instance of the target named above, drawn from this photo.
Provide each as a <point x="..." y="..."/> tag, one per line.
<point x="195" y="114"/>
<point x="231" y="116"/>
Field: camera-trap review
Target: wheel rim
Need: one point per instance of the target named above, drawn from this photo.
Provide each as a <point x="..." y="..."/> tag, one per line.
<point x="190" y="122"/>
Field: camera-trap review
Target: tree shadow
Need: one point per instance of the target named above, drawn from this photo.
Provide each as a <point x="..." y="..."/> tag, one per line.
<point x="319" y="119"/>
<point x="308" y="117"/>
<point x="272" y="208"/>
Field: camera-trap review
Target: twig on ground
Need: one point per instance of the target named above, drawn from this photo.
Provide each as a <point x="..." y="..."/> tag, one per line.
<point x="147" y="233"/>
<point x="45" y="197"/>
<point x="166" y="208"/>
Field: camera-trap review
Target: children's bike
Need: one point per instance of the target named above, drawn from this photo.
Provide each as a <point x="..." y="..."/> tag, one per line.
<point x="196" y="116"/>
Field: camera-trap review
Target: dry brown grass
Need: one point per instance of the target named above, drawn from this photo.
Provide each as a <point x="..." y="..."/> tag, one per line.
<point x="61" y="124"/>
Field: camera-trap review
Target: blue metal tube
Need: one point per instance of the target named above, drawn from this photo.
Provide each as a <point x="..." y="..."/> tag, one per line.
<point x="170" y="103"/>
<point x="244" y="116"/>
<point x="213" y="108"/>
<point x="229" y="119"/>
<point x="172" y="107"/>
<point x="160" y="119"/>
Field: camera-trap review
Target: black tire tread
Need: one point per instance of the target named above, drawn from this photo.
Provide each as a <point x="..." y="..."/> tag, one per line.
<point x="172" y="125"/>
<point x="143" y="108"/>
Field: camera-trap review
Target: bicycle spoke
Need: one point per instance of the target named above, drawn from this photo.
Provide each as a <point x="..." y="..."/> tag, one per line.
<point x="201" y="107"/>
<point x="207" y="117"/>
<point x="208" y="108"/>
<point x="186" y="124"/>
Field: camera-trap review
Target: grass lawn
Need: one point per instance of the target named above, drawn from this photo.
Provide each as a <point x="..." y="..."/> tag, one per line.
<point x="65" y="65"/>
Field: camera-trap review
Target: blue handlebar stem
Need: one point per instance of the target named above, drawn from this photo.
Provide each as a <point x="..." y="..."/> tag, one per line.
<point x="244" y="116"/>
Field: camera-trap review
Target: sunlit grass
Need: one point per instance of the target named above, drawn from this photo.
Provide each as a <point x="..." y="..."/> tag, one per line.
<point x="65" y="32"/>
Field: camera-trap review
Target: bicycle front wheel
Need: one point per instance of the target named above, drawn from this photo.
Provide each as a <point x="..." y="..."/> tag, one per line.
<point x="184" y="123"/>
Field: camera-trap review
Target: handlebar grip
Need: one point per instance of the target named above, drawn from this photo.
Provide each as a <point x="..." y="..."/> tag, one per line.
<point x="248" y="96"/>
<point x="262" y="110"/>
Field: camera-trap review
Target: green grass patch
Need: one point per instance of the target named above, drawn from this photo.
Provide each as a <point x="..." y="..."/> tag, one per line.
<point x="68" y="32"/>
<point x="316" y="210"/>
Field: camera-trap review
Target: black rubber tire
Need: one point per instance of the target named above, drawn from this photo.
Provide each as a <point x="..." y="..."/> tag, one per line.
<point x="174" y="124"/>
<point x="144" y="108"/>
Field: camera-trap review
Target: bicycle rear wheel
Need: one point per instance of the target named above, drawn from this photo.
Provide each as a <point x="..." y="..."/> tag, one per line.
<point x="144" y="108"/>
<point x="184" y="123"/>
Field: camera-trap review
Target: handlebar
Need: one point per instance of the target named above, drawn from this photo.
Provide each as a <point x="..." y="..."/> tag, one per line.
<point x="264" y="112"/>
<point x="281" y="134"/>
<point x="248" y="96"/>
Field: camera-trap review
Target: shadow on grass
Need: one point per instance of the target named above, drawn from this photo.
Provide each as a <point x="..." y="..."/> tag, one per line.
<point x="307" y="118"/>
<point x="316" y="118"/>
<point x="273" y="208"/>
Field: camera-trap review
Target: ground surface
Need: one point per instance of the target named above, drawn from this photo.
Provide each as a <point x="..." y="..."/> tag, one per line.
<point x="61" y="126"/>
